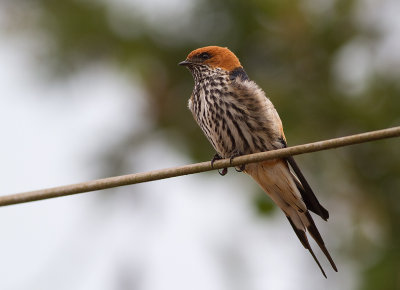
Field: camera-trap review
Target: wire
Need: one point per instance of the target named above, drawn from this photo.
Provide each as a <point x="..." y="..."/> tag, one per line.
<point x="123" y="180"/>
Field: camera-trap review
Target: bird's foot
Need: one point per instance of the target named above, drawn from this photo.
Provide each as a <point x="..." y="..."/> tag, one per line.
<point x="223" y="172"/>
<point x="216" y="157"/>
<point x="240" y="168"/>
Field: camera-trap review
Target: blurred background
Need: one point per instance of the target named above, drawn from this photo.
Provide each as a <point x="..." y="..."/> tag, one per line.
<point x="91" y="88"/>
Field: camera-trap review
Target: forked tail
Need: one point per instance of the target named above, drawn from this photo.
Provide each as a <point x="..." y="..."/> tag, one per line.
<point x="283" y="187"/>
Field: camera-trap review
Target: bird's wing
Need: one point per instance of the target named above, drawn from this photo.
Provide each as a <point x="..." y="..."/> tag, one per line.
<point x="313" y="230"/>
<point x="278" y="182"/>
<point x="304" y="188"/>
<point x="306" y="192"/>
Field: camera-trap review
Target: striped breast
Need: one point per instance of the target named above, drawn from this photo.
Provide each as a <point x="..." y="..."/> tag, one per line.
<point x="235" y="115"/>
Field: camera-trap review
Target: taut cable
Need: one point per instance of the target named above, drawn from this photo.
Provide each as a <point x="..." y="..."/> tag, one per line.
<point x="122" y="180"/>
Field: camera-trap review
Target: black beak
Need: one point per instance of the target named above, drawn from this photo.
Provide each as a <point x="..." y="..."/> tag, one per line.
<point x="185" y="63"/>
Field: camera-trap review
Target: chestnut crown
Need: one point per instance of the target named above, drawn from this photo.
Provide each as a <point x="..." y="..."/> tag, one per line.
<point x="214" y="57"/>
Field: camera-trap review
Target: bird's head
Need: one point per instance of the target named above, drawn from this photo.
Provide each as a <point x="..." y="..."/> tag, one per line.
<point x="211" y="58"/>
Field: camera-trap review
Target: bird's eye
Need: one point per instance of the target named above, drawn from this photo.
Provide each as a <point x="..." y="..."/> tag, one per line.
<point x="204" y="56"/>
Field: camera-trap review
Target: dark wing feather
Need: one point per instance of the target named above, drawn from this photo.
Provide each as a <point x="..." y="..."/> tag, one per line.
<point x="303" y="239"/>
<point x="306" y="192"/>
<point x="313" y="205"/>
<point x="312" y="229"/>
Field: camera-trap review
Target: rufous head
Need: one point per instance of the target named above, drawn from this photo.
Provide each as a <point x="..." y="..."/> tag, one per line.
<point x="214" y="57"/>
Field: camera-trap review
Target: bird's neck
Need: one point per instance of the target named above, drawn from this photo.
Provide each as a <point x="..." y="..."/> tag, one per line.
<point x="203" y="74"/>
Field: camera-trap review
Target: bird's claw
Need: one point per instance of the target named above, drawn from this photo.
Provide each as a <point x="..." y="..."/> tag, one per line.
<point x="216" y="157"/>
<point x="240" y="168"/>
<point x="223" y="172"/>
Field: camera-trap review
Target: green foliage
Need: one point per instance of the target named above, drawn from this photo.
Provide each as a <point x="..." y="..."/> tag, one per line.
<point x="263" y="204"/>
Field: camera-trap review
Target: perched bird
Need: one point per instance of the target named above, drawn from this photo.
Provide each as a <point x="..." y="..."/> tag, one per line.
<point x="237" y="118"/>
